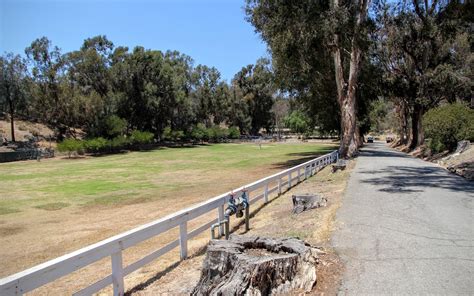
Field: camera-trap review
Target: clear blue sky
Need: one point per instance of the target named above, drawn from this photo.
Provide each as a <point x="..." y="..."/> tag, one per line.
<point x="212" y="32"/>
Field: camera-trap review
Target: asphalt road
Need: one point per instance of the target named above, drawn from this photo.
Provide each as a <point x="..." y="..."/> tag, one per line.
<point x="405" y="228"/>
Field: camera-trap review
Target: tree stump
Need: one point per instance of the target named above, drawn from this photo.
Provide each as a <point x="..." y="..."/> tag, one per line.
<point x="339" y="165"/>
<point x="306" y="202"/>
<point x="257" y="266"/>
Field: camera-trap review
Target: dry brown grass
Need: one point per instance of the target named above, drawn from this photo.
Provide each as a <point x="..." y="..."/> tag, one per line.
<point x="25" y="129"/>
<point x="275" y="220"/>
<point x="44" y="228"/>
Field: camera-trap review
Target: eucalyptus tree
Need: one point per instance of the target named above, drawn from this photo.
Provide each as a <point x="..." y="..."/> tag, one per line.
<point x="181" y="68"/>
<point x="303" y="36"/>
<point x="89" y="75"/>
<point x="256" y="85"/>
<point x="425" y="52"/>
<point x="146" y="89"/>
<point x="280" y="110"/>
<point x="12" y="85"/>
<point x="51" y="104"/>
<point x="205" y="96"/>
<point x="89" y="66"/>
<point x="238" y="109"/>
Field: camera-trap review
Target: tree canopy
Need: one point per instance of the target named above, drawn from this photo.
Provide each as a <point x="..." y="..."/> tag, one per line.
<point x="336" y="67"/>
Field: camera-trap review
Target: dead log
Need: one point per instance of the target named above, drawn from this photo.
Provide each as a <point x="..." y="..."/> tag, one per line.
<point x="306" y="202"/>
<point x="257" y="266"/>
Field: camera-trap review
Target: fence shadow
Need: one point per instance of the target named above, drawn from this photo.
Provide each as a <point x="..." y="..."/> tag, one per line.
<point x="202" y="250"/>
<point x="142" y="286"/>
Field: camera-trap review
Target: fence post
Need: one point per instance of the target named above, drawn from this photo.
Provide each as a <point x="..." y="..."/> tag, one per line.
<point x="220" y="218"/>
<point x="117" y="273"/>
<point x="183" y="240"/>
<point x="289" y="180"/>
<point x="265" y="193"/>
<point x="299" y="175"/>
<point x="279" y="186"/>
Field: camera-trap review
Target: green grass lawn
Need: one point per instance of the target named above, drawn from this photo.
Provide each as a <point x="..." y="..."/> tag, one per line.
<point x="139" y="176"/>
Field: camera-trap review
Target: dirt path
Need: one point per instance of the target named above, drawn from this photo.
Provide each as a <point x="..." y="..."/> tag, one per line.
<point x="274" y="220"/>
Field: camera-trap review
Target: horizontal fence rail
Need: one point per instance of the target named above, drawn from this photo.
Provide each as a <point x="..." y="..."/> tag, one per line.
<point x="112" y="247"/>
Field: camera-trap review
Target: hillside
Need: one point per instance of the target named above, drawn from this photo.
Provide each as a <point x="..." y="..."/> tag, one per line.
<point x="25" y="130"/>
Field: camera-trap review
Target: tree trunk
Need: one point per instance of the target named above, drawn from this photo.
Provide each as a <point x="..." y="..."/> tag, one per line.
<point x="246" y="265"/>
<point x="417" y="133"/>
<point x="12" y="119"/>
<point x="359" y="138"/>
<point x="12" y="125"/>
<point x="402" y="111"/>
<point x="350" y="141"/>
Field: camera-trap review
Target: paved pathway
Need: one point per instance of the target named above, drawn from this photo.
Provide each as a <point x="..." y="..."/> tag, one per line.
<point x="406" y="227"/>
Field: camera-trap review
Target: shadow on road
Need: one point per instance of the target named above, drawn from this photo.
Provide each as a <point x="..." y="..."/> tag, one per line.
<point x="407" y="179"/>
<point x="373" y="152"/>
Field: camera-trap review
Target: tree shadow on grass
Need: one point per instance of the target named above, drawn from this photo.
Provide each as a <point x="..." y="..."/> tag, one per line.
<point x="407" y="179"/>
<point x="303" y="157"/>
<point x="175" y="146"/>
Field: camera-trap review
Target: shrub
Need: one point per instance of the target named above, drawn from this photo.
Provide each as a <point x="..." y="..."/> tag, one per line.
<point x="96" y="145"/>
<point x="177" y="136"/>
<point x="70" y="146"/>
<point x="118" y="142"/>
<point x="217" y="134"/>
<point x="114" y="126"/>
<point x="234" y="132"/>
<point x="139" y="137"/>
<point x="167" y="134"/>
<point x="198" y="133"/>
<point x="446" y="125"/>
<point x="298" y="122"/>
<point x="171" y="135"/>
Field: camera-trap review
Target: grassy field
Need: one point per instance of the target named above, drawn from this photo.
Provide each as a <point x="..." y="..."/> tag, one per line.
<point x="135" y="177"/>
<point x="56" y="206"/>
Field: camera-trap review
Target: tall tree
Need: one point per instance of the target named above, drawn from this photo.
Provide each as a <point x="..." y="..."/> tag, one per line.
<point x="280" y="110"/>
<point x="346" y="88"/>
<point x="424" y="48"/>
<point x="302" y="35"/>
<point x="48" y="66"/>
<point x="256" y="85"/>
<point x="89" y="75"/>
<point x="89" y="65"/>
<point x="12" y="85"/>
<point x="205" y="93"/>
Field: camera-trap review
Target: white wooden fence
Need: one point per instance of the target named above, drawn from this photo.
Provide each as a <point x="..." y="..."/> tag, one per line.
<point x="42" y="274"/>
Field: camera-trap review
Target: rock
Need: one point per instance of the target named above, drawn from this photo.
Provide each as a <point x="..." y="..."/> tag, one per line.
<point x="462" y="146"/>
<point x="257" y="266"/>
<point x="306" y="202"/>
<point x="465" y="169"/>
